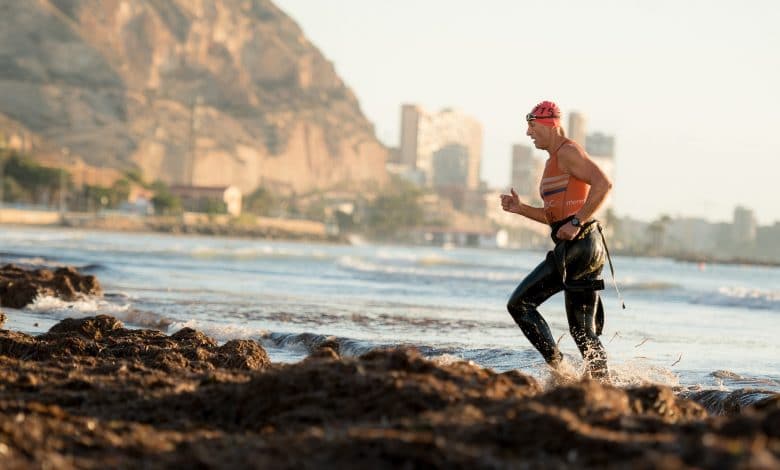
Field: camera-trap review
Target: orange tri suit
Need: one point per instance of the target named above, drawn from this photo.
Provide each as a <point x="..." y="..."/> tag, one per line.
<point x="562" y="193"/>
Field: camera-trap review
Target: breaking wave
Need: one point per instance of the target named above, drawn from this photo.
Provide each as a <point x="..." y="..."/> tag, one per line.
<point x="59" y="309"/>
<point x="741" y="297"/>
<point x="220" y="332"/>
<point x="362" y="265"/>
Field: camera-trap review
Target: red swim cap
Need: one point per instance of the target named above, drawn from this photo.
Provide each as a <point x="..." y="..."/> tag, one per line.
<point x="545" y="113"/>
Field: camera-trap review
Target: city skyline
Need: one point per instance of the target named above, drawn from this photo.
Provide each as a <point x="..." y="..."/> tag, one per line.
<point x="670" y="100"/>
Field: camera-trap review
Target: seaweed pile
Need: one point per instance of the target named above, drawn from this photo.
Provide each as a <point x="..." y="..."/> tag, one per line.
<point x="90" y="393"/>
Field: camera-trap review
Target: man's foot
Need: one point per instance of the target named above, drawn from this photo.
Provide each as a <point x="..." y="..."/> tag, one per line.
<point x="556" y="361"/>
<point x="598" y="372"/>
<point x="561" y="372"/>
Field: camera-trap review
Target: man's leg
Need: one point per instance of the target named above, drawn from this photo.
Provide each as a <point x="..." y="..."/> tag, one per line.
<point x="543" y="282"/>
<point x="581" y="313"/>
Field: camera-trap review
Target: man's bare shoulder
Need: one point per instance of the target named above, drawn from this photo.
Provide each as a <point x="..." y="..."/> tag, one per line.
<point x="571" y="150"/>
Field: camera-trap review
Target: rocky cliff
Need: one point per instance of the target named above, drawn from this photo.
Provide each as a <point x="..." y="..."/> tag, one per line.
<point x="208" y="92"/>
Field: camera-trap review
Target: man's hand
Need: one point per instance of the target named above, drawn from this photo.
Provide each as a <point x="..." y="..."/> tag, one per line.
<point x="511" y="202"/>
<point x="567" y="232"/>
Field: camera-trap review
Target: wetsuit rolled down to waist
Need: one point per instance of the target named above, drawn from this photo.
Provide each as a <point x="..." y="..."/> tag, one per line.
<point x="573" y="266"/>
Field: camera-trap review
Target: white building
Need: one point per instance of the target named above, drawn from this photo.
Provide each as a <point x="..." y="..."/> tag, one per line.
<point x="578" y="127"/>
<point x="425" y="134"/>
<point x="526" y="173"/>
<point x="745" y="226"/>
<point x="601" y="149"/>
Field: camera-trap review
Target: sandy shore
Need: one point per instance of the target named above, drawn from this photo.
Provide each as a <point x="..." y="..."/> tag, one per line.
<point x="93" y="394"/>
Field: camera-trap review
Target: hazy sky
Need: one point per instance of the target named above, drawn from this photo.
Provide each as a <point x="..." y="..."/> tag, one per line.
<point x="688" y="88"/>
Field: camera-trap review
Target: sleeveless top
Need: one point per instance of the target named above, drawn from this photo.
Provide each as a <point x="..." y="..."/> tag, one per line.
<point x="562" y="193"/>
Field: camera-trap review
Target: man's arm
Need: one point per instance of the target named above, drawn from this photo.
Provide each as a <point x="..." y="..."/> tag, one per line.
<point x="511" y="203"/>
<point x="533" y="213"/>
<point x="574" y="161"/>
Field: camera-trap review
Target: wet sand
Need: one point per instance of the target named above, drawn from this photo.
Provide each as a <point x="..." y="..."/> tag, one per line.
<point x="91" y="393"/>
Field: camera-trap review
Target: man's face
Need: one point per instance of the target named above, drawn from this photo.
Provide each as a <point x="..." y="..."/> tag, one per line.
<point x="539" y="134"/>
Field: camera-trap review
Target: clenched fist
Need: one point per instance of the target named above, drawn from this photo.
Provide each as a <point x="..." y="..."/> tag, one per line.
<point x="510" y="202"/>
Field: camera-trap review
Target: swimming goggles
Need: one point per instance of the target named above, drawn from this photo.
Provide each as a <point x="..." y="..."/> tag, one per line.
<point x="532" y="117"/>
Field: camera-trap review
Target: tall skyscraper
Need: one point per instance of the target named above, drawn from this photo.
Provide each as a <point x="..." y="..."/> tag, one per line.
<point x="578" y="127"/>
<point x="410" y="122"/>
<point x="745" y="225"/>
<point x="600" y="144"/>
<point x="423" y="134"/>
<point x="601" y="149"/>
<point x="450" y="166"/>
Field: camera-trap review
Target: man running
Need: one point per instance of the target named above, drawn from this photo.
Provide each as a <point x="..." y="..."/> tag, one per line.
<point x="572" y="188"/>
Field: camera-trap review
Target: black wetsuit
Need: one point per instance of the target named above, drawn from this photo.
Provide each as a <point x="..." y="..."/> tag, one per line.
<point x="581" y="261"/>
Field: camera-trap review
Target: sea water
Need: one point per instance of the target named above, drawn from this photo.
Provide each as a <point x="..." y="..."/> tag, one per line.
<point x="686" y="325"/>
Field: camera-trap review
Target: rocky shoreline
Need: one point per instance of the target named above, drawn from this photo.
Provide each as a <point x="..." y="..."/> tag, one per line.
<point x="91" y="393"/>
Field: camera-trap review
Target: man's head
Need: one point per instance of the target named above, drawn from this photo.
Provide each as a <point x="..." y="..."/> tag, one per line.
<point x="544" y="124"/>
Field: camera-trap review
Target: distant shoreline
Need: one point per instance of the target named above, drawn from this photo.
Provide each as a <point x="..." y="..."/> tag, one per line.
<point x="264" y="228"/>
<point x="698" y="259"/>
<point x="255" y="227"/>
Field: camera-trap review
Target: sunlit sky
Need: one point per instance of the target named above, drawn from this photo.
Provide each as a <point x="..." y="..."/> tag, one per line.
<point x="688" y="88"/>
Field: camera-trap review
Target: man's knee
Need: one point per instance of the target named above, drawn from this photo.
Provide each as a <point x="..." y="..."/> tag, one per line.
<point x="519" y="309"/>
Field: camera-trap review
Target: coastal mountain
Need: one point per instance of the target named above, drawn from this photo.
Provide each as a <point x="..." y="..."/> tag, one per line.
<point x="204" y="92"/>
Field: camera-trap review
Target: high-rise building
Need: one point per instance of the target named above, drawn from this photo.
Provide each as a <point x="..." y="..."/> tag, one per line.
<point x="410" y="122"/>
<point x="601" y="149"/>
<point x="450" y="166"/>
<point x="526" y="171"/>
<point x="578" y="127"/>
<point x="423" y="134"/>
<point x="600" y="144"/>
<point x="745" y="225"/>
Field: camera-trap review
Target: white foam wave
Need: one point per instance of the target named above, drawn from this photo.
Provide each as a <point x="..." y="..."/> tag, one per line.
<point x="58" y="309"/>
<point x="36" y="261"/>
<point x="422" y="259"/>
<point x="434" y="260"/>
<point x="390" y="255"/>
<point x="207" y="251"/>
<point x="637" y="372"/>
<point x="724" y="296"/>
<point x="632" y="373"/>
<point x="448" y="359"/>
<point x="262" y="251"/>
<point x="743" y="297"/>
<point x="220" y="332"/>
<point x="362" y="265"/>
<point x="85" y="306"/>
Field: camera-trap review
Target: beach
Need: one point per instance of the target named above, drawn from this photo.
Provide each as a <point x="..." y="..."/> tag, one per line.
<point x="198" y="351"/>
<point x="91" y="394"/>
